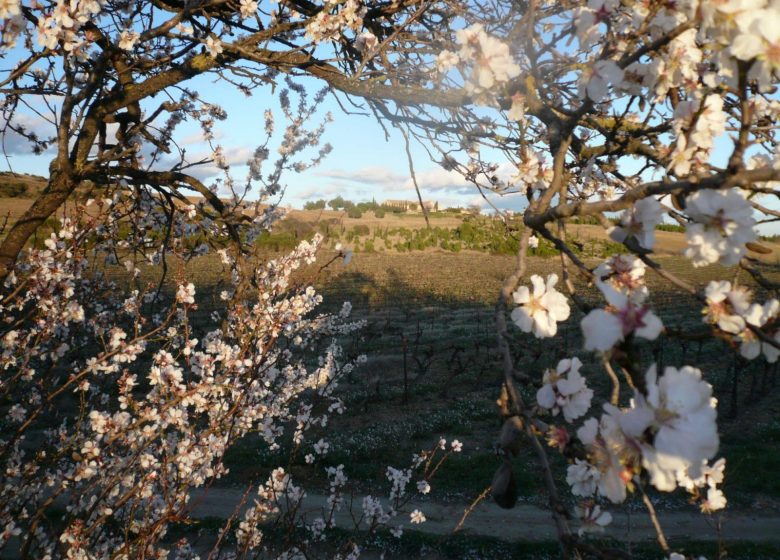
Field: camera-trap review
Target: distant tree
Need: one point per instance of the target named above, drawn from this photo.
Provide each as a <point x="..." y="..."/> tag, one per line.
<point x="314" y="205"/>
<point x="337" y="203"/>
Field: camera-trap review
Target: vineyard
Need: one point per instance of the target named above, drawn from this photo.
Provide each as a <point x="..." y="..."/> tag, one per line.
<point x="432" y="371"/>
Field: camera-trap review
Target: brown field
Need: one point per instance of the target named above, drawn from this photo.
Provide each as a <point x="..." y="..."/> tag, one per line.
<point x="433" y="368"/>
<point x="668" y="243"/>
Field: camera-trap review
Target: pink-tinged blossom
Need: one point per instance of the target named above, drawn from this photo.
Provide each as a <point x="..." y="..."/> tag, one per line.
<point x="675" y="423"/>
<point x="540" y="309"/>
<point x="588" y="18"/>
<point x="639" y="222"/>
<point x="565" y="390"/>
<point x="610" y="453"/>
<point x="328" y="25"/>
<point x="625" y="273"/>
<point x="604" y="328"/>
<point x="722" y="223"/>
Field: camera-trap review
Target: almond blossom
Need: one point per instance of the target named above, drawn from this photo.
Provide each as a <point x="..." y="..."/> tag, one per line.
<point x="490" y="59"/>
<point x="248" y="8"/>
<point x="711" y="476"/>
<point x="588" y="18"/>
<point x="604" y="328"/>
<point x="759" y="40"/>
<point x="417" y="517"/>
<point x="540" y="310"/>
<point x="674" y="424"/>
<point x="593" y="519"/>
<point x="726" y="306"/>
<point x="214" y="46"/>
<point x="625" y="273"/>
<point x="564" y="390"/>
<point x="756" y="316"/>
<point x="639" y="222"/>
<point x="128" y="39"/>
<point x="9" y="8"/>
<point x="583" y="478"/>
<point x="611" y="454"/>
<point x="722" y="223"/>
<point x="595" y="82"/>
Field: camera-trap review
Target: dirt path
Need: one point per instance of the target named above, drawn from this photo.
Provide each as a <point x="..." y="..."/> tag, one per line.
<point x="526" y="523"/>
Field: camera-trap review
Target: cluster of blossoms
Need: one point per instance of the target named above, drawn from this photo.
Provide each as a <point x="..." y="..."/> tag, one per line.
<point x="62" y="27"/>
<point x="486" y="61"/>
<point x="720" y="226"/>
<point x="722" y="223"/>
<point x="161" y="412"/>
<point x="334" y="19"/>
<point x="729" y="309"/>
<point x="670" y="432"/>
<point x="697" y="123"/>
<point x="564" y="390"/>
<point x="533" y="173"/>
<point x="164" y="398"/>
<point x="669" y="429"/>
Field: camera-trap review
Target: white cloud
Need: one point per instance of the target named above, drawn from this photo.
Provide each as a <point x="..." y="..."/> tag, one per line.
<point x="13" y="143"/>
<point x="371" y="175"/>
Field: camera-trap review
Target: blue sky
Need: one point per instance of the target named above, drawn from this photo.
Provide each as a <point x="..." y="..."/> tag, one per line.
<point x="363" y="165"/>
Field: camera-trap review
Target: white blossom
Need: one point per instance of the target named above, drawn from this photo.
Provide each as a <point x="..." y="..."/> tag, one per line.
<point x="583" y="478"/>
<point x="417" y="517"/>
<point x="639" y="222"/>
<point x="540" y="310"/>
<point x="679" y="412"/>
<point x="722" y="225"/>
<point x="564" y="390"/>
<point x="593" y="519"/>
<point x="214" y="46"/>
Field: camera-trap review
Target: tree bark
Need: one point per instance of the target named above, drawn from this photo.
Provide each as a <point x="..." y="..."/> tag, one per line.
<point x="57" y="192"/>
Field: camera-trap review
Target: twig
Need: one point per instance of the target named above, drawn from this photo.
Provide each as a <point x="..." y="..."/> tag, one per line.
<point x="659" y="532"/>
<point x="471" y="507"/>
